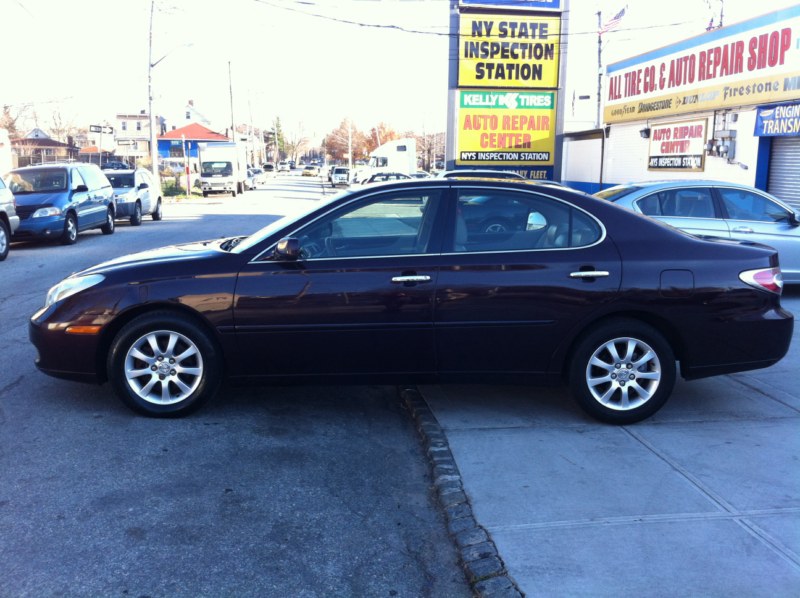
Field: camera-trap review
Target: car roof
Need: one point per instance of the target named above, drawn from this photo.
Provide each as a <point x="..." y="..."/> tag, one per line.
<point x="680" y="183"/>
<point x="480" y="172"/>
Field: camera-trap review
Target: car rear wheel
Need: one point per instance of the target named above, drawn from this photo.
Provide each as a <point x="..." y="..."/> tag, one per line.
<point x="109" y="227"/>
<point x="622" y="372"/>
<point x="136" y="217"/>
<point x="5" y="240"/>
<point x="70" y="234"/>
<point x="164" y="364"/>
<point x="157" y="214"/>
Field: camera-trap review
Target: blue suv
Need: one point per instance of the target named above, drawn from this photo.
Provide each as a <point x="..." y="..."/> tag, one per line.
<point x="57" y="201"/>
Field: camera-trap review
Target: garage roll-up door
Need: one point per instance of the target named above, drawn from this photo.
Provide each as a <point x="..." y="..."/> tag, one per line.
<point x="784" y="170"/>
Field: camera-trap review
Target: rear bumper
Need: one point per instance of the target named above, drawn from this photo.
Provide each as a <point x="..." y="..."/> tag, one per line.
<point x="727" y="347"/>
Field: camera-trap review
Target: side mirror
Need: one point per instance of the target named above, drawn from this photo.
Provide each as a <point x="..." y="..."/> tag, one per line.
<point x="144" y="186"/>
<point x="82" y="188"/>
<point x="794" y="219"/>
<point x="288" y="249"/>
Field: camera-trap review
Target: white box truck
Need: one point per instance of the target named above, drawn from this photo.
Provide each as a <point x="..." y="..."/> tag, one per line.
<point x="223" y="167"/>
<point x="398" y="155"/>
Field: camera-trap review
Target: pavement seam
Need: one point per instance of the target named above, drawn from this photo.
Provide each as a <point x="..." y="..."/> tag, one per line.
<point x="737" y="515"/>
<point x="484" y="568"/>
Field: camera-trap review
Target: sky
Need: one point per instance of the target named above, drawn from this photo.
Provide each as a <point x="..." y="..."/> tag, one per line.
<point x="311" y="63"/>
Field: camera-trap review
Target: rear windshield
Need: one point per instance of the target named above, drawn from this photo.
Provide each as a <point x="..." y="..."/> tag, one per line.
<point x="339" y="171"/>
<point x="615" y="193"/>
<point x="120" y="181"/>
<point x="41" y="180"/>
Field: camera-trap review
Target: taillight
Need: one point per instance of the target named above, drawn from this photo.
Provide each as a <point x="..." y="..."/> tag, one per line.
<point x="768" y="279"/>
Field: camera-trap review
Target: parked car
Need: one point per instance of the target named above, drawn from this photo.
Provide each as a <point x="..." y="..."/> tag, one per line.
<point x="283" y="166"/>
<point x="728" y="210"/>
<point x="136" y="194"/>
<point x="58" y="201"/>
<point x="255" y="178"/>
<point x="382" y="177"/>
<point x="311" y="170"/>
<point x="340" y="175"/>
<point x="388" y="284"/>
<point x="9" y="221"/>
<point x="421" y="174"/>
<point x="479" y="173"/>
<point x="269" y="169"/>
<point x="115" y="165"/>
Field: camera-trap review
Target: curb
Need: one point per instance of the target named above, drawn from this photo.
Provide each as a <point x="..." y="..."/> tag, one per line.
<point x="483" y="567"/>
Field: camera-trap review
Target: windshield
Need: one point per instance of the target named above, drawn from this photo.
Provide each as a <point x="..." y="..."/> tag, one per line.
<point x="41" y="180"/>
<point x="121" y="181"/>
<point x="275" y="226"/>
<point x="216" y="169"/>
<point x="615" y="193"/>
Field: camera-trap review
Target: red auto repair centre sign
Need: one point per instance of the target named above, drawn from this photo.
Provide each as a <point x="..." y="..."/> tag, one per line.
<point x="508" y="73"/>
<point x="754" y="62"/>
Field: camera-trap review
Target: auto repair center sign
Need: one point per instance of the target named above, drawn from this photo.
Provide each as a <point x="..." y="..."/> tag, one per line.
<point x="506" y="128"/>
<point x="678" y="146"/>
<point x="753" y="62"/>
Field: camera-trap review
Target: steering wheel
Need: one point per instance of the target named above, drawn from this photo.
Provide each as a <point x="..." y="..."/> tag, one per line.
<point x="310" y="248"/>
<point x="330" y="248"/>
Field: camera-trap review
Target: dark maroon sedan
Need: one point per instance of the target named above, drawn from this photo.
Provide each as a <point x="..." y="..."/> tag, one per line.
<point x="389" y="284"/>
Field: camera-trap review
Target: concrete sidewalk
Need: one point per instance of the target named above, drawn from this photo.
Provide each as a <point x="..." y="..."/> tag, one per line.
<point x="703" y="499"/>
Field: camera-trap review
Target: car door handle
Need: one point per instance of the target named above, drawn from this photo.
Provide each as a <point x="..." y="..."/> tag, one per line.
<point x="742" y="229"/>
<point x="411" y="278"/>
<point x="589" y="274"/>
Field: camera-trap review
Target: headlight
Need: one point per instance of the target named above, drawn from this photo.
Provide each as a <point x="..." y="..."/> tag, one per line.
<point x="70" y="286"/>
<point x="42" y="212"/>
<point x="126" y="197"/>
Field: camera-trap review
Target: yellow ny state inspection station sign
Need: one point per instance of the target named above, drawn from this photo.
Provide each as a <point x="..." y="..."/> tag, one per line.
<point x="508" y="51"/>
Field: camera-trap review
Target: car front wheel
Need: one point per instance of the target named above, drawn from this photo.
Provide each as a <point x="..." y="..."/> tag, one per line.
<point x="70" y="234"/>
<point x="164" y="364"/>
<point x="136" y="217"/>
<point x="622" y="372"/>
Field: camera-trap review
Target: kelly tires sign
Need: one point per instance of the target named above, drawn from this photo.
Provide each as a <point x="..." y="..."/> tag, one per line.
<point x="678" y="146"/>
<point x="504" y="128"/>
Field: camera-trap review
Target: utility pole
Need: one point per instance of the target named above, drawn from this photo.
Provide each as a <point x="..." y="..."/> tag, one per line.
<point x="151" y="116"/>
<point x="599" y="66"/>
<point x="230" y="85"/>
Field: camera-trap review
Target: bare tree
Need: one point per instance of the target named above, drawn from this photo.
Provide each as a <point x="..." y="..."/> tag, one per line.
<point x="12" y="117"/>
<point x="61" y="128"/>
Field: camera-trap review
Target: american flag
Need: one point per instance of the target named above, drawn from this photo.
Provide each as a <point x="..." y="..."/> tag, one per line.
<point x="613" y="22"/>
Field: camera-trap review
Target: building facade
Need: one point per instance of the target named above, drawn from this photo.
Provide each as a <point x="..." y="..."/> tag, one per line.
<point x="724" y="105"/>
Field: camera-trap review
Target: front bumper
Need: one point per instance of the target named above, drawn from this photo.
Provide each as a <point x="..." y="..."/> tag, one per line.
<point x="62" y="355"/>
<point x="125" y="210"/>
<point x="49" y="227"/>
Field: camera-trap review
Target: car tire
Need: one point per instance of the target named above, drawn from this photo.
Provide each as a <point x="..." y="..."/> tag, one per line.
<point x="173" y="381"/>
<point x="70" y="234"/>
<point x="157" y="213"/>
<point x="5" y="239"/>
<point x="136" y="217"/>
<point x="109" y="227"/>
<point x="622" y="371"/>
<point x="205" y="193"/>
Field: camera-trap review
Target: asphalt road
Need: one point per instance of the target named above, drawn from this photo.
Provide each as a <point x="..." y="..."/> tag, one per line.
<point x="301" y="491"/>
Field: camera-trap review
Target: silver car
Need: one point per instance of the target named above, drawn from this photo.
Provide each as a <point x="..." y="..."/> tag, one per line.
<point x="718" y="209"/>
<point x="9" y="221"/>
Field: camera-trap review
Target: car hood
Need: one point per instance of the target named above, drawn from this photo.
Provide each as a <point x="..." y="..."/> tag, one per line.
<point x="38" y="199"/>
<point x="163" y="255"/>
